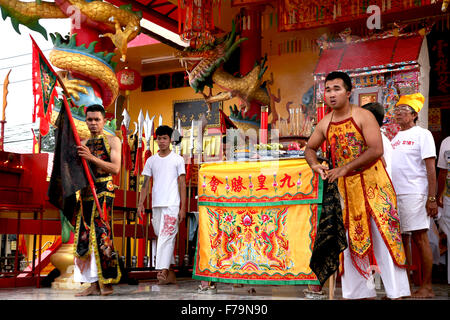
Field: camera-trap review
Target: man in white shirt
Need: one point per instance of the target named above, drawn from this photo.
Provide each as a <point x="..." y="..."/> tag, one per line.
<point x="443" y="199"/>
<point x="414" y="179"/>
<point x="169" y="189"/>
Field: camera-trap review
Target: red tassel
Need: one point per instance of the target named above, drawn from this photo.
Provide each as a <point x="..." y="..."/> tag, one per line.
<point x="105" y="215"/>
<point x="126" y="153"/>
<point x="148" y="154"/>
<point x="136" y="163"/>
<point x="188" y="171"/>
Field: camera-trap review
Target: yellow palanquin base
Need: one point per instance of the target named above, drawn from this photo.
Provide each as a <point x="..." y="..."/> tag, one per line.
<point x="257" y="222"/>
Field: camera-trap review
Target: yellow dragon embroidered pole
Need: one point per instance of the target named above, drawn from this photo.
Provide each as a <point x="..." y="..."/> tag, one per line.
<point x="5" y="103"/>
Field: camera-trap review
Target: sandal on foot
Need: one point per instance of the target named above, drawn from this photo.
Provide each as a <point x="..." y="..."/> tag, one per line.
<point x="90" y="291"/>
<point x="106" y="290"/>
<point x="315" y="295"/>
<point x="169" y="279"/>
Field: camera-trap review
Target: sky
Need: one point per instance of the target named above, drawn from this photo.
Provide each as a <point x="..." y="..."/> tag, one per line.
<point x="15" y="54"/>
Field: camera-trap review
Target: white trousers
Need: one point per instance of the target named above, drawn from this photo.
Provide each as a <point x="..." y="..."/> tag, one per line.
<point x="85" y="270"/>
<point x="395" y="279"/>
<point x="165" y="226"/>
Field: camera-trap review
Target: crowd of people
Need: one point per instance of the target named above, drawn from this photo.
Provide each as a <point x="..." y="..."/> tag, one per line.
<point x="389" y="195"/>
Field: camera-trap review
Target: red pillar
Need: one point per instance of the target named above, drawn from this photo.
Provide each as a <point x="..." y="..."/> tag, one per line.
<point x="251" y="49"/>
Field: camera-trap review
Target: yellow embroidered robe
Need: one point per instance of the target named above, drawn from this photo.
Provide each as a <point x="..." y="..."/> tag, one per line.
<point x="366" y="192"/>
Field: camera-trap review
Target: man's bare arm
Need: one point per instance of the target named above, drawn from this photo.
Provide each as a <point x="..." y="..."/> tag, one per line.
<point x="314" y="142"/>
<point x="142" y="195"/>
<point x="182" y="191"/>
<point x="112" y="167"/>
<point x="441" y="186"/>
<point x="431" y="206"/>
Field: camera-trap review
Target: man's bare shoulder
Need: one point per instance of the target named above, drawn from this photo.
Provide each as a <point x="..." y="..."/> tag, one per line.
<point x="361" y="115"/>
<point x="358" y="111"/>
<point x="323" y="124"/>
<point x="113" y="139"/>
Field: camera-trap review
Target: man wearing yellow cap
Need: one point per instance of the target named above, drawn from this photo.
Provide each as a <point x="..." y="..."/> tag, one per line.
<point x="414" y="179"/>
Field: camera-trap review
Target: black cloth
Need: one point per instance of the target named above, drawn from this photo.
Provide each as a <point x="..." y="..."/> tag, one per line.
<point x="68" y="175"/>
<point x="330" y="239"/>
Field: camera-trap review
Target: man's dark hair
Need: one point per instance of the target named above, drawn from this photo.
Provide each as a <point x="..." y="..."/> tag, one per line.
<point x="340" y="75"/>
<point x="96" y="108"/>
<point x="377" y="110"/>
<point x="162" y="130"/>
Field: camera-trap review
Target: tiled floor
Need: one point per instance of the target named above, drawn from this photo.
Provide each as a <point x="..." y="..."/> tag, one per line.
<point x="185" y="289"/>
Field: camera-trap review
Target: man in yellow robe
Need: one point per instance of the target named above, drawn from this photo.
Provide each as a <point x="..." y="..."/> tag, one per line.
<point x="369" y="203"/>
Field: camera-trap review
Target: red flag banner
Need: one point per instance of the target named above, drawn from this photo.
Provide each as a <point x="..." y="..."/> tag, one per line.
<point x="22" y="245"/>
<point x="126" y="152"/>
<point x="225" y="122"/>
<point x="44" y="88"/>
<point x="36" y="148"/>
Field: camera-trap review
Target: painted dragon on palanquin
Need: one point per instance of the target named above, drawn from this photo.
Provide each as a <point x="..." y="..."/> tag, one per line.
<point x="204" y="67"/>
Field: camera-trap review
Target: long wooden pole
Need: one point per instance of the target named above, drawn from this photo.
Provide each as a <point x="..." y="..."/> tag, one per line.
<point x="136" y="216"/>
<point x="186" y="254"/>
<point x="124" y="220"/>
<point x="147" y="221"/>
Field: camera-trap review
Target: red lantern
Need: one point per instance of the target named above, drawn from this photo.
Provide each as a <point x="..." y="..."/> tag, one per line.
<point x="128" y="79"/>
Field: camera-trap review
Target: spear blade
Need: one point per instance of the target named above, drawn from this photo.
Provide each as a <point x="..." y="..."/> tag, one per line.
<point x="5" y="94"/>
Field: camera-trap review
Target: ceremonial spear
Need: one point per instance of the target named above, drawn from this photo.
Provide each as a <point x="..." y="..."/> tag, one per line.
<point x="5" y="102"/>
<point x="137" y="172"/>
<point x="177" y="137"/>
<point x="148" y="130"/>
<point x="188" y="178"/>
<point x="127" y="166"/>
<point x="160" y="122"/>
